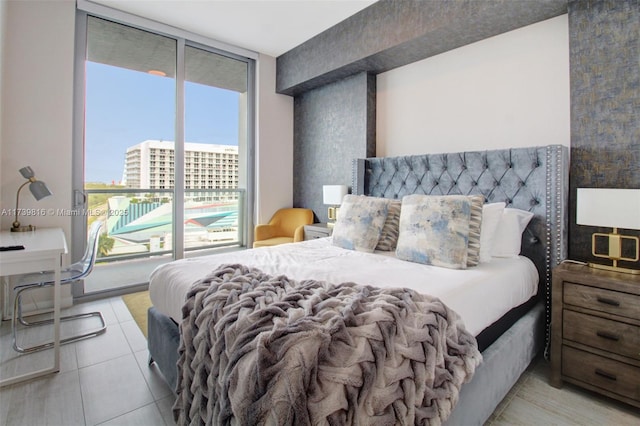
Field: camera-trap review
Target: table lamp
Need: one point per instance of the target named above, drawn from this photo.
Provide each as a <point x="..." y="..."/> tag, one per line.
<point x="39" y="191"/>
<point x="611" y="208"/>
<point x="332" y="195"/>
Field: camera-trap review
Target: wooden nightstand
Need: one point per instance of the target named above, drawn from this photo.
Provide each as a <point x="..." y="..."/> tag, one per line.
<point x="317" y="230"/>
<point x="595" y="337"/>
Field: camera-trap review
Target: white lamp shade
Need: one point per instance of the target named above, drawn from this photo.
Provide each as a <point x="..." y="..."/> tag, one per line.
<point x="333" y="194"/>
<point x="607" y="207"/>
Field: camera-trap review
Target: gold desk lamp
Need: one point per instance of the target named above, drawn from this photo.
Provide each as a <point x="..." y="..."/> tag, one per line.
<point x="39" y="190"/>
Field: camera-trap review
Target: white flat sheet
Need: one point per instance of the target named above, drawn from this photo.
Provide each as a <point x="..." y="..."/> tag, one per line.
<point x="480" y="295"/>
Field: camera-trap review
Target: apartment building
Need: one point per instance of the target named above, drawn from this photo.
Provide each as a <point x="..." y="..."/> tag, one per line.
<point x="151" y="165"/>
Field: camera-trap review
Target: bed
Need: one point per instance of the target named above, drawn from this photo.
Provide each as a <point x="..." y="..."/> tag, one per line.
<point x="509" y="334"/>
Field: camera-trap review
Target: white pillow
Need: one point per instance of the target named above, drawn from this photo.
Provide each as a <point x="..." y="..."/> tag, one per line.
<point x="491" y="215"/>
<point x="508" y="236"/>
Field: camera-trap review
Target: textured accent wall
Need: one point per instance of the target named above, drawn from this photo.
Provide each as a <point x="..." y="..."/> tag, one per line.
<point x="333" y="125"/>
<point x="605" y="105"/>
<point x="392" y="33"/>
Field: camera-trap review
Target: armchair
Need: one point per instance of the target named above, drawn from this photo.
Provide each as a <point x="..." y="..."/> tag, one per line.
<point x="286" y="226"/>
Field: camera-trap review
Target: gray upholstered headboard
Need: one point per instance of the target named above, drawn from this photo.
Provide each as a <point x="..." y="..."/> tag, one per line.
<point x="533" y="179"/>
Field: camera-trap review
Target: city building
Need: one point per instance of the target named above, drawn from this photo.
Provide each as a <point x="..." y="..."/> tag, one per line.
<point x="151" y="165"/>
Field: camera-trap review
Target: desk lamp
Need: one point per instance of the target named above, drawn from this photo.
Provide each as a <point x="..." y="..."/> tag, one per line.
<point x="39" y="191"/>
<point x="332" y="195"/>
<point x="610" y="208"/>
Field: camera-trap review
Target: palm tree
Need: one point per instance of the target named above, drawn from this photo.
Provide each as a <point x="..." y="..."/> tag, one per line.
<point x="105" y="244"/>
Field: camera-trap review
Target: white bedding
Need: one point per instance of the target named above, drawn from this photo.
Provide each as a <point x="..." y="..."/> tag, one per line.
<point x="480" y="295"/>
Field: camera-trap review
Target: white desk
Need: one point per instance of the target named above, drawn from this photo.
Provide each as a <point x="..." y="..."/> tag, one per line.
<point x="43" y="250"/>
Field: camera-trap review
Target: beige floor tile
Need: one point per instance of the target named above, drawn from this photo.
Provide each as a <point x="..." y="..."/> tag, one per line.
<point x="522" y="413"/>
<point x="54" y="400"/>
<point x="113" y="388"/>
<point x="135" y="338"/>
<point x="149" y="415"/>
<point x="158" y="386"/>
<point x="112" y="344"/>
<point x="575" y="405"/>
<point x="120" y="309"/>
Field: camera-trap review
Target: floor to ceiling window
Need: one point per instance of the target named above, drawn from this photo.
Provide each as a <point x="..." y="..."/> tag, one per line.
<point x="163" y="150"/>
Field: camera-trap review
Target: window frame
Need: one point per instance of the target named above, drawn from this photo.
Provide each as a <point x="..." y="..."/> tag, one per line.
<point x="184" y="39"/>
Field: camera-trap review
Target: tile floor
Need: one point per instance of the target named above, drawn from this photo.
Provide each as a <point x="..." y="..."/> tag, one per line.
<point x="105" y="380"/>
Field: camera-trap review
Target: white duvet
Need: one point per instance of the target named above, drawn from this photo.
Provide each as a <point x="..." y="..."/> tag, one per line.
<point x="480" y="295"/>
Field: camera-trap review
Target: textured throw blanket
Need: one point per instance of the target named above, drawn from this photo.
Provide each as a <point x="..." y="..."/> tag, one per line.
<point x="259" y="349"/>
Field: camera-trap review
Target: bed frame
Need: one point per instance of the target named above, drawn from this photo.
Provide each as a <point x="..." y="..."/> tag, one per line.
<point x="533" y="179"/>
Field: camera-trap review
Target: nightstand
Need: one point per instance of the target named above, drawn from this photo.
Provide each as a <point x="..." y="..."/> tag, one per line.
<point x="595" y="331"/>
<point x="317" y="230"/>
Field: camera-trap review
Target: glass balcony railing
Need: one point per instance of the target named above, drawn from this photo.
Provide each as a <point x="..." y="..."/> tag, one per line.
<point x="140" y="222"/>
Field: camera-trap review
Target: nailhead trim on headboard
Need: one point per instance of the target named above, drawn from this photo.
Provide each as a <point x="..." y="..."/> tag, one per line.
<point x="511" y="175"/>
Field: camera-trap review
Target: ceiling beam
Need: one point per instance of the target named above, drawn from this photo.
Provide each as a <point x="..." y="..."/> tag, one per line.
<point x="393" y="33"/>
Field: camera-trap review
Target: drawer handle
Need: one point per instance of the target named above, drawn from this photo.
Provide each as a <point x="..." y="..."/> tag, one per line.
<point x="607" y="335"/>
<point x="608" y="301"/>
<point x="606" y="375"/>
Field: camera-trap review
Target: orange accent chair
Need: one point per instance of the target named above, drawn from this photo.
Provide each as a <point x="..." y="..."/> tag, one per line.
<point x="286" y="226"/>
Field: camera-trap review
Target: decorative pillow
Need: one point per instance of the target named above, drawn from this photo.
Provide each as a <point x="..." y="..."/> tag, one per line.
<point x="435" y="230"/>
<point x="389" y="236"/>
<point x="508" y="235"/>
<point x="491" y="215"/>
<point x="475" y="222"/>
<point x="360" y="223"/>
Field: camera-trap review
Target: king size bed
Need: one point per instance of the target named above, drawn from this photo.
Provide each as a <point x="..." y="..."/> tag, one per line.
<point x="495" y="304"/>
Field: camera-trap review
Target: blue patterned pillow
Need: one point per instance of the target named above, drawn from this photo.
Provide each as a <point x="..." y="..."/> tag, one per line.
<point x="435" y="230"/>
<point x="360" y="222"/>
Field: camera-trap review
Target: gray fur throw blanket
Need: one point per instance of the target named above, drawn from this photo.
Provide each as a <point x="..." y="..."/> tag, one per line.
<point x="257" y="349"/>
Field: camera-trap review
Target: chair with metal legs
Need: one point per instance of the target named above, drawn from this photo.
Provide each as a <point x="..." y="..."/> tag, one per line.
<point x="68" y="275"/>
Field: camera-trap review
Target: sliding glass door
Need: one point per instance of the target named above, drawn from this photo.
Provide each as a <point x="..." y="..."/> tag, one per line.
<point x="162" y="149"/>
<point x="216" y="140"/>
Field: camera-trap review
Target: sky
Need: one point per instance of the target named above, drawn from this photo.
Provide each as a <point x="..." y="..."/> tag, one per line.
<point x="124" y="108"/>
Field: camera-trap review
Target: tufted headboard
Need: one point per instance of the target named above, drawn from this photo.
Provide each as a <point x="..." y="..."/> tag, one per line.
<point x="533" y="179"/>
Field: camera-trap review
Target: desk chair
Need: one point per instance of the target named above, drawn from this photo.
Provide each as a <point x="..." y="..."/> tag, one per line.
<point x="69" y="275"/>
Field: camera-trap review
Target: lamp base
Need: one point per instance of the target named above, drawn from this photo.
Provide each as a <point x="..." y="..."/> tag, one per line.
<point x="614" y="268"/>
<point x="26" y="228"/>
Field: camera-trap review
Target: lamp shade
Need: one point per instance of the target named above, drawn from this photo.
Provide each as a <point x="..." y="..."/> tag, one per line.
<point x="608" y="207"/>
<point x="39" y="190"/>
<point x="27" y="172"/>
<point x="333" y="194"/>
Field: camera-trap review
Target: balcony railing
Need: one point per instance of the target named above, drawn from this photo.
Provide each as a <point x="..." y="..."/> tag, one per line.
<point x="140" y="222"/>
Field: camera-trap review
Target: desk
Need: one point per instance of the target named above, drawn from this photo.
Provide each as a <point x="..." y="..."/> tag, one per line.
<point x="43" y="250"/>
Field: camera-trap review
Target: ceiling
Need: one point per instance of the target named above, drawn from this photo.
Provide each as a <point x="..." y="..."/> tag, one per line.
<point x="271" y="27"/>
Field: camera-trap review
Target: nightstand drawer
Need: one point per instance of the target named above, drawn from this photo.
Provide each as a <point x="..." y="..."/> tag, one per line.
<point x="312" y="235"/>
<point x="620" y="378"/>
<point x="612" y="302"/>
<point x="612" y="336"/>
<point x="317" y="230"/>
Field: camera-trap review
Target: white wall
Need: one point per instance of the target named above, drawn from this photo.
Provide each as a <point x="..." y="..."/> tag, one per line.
<point x="3" y="38"/>
<point x="274" y="144"/>
<point x="511" y="90"/>
<point x="37" y="77"/>
<point x="36" y="113"/>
